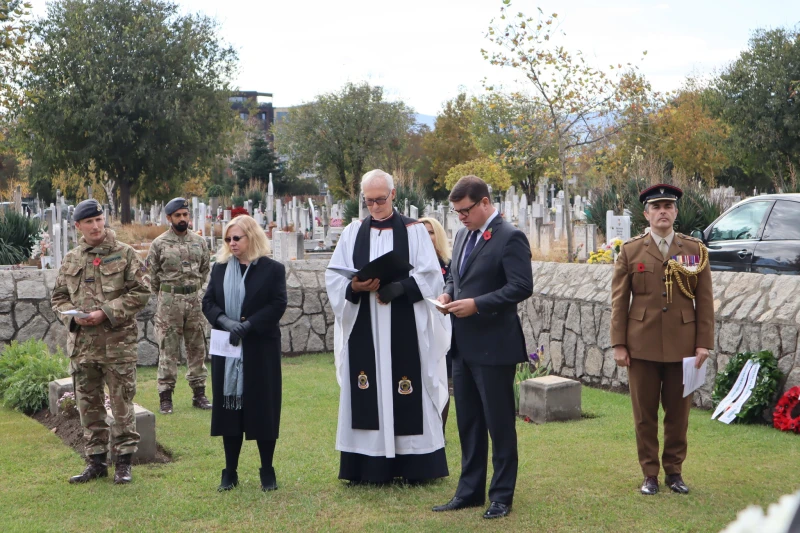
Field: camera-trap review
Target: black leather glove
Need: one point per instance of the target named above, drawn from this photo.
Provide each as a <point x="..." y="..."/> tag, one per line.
<point x="234" y="339"/>
<point x="241" y="329"/>
<point x="226" y="323"/>
<point x="389" y="292"/>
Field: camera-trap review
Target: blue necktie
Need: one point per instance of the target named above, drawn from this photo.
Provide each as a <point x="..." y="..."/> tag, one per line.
<point x="473" y="237"/>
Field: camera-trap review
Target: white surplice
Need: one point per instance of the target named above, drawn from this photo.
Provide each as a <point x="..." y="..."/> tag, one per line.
<point x="433" y="334"/>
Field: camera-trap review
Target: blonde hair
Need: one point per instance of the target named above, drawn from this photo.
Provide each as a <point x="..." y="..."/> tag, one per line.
<point x="439" y="237"/>
<point x="257" y="246"/>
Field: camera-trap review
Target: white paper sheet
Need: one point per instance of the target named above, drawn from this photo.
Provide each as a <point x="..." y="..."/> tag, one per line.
<point x="343" y="271"/>
<point x="220" y="345"/>
<point x="75" y="313"/>
<point x="693" y="378"/>
<point x="437" y="303"/>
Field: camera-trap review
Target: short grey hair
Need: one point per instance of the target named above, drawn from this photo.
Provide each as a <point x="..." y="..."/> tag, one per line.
<point x="377" y="174"/>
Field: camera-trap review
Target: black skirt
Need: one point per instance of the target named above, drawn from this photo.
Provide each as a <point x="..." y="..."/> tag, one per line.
<point x="414" y="467"/>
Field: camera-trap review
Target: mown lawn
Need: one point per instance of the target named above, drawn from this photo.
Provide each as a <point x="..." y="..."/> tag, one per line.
<point x="579" y="476"/>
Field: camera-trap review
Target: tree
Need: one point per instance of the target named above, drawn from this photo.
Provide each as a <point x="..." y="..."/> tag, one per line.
<point x="340" y="132"/>
<point x="572" y="104"/>
<point x="259" y="164"/>
<point x="14" y="35"/>
<point x="131" y="89"/>
<point x="489" y="171"/>
<point x="451" y="143"/>
<point x="758" y="96"/>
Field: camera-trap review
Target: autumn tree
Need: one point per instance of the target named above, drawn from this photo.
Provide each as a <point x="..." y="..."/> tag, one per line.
<point x="451" y="143"/>
<point x="339" y="133"/>
<point x="489" y="171"/>
<point x="572" y="104"/>
<point x="134" y="90"/>
<point x="15" y="31"/>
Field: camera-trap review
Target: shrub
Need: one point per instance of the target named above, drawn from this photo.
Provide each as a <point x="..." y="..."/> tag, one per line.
<point x="215" y="191"/>
<point x="25" y="371"/>
<point x="18" y="234"/>
<point x="350" y="210"/>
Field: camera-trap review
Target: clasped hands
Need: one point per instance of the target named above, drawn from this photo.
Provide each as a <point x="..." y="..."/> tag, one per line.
<point x="386" y="294"/>
<point x="95" y="318"/>
<point x="238" y="330"/>
<point x="623" y="358"/>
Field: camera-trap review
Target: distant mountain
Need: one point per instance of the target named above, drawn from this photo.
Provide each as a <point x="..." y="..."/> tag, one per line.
<point x="428" y="120"/>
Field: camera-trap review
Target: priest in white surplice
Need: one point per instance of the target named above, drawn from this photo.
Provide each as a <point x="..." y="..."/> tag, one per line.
<point x="389" y="347"/>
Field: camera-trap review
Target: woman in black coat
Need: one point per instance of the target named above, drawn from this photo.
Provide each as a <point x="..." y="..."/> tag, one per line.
<point x="247" y="302"/>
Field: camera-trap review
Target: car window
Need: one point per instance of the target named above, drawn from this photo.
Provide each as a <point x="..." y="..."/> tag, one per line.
<point x="741" y="223"/>
<point x="784" y="222"/>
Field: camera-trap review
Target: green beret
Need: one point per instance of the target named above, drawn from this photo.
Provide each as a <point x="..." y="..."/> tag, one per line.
<point x="87" y="209"/>
<point x="175" y="204"/>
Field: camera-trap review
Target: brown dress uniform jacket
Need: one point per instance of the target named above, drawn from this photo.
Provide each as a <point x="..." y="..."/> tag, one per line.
<point x="641" y="316"/>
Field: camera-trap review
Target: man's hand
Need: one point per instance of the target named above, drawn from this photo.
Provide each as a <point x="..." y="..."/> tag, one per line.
<point x="96" y="318"/>
<point x="463" y="308"/>
<point x="701" y="354"/>
<point x="621" y="355"/>
<point x="369" y="285"/>
<point x="444" y="299"/>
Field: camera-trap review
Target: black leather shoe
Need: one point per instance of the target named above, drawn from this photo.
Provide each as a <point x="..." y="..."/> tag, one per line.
<point x="676" y="484"/>
<point x="229" y="480"/>
<point x="650" y="486"/>
<point x="455" y="504"/>
<point x="268" y="480"/>
<point x="497" y="510"/>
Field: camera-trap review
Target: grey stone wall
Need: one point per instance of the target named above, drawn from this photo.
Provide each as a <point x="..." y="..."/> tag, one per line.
<point x="569" y="314"/>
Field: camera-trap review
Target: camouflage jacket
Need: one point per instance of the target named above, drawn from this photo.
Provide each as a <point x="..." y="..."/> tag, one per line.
<point x="178" y="260"/>
<point x="108" y="277"/>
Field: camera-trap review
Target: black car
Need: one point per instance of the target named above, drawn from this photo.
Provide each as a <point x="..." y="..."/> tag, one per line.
<point x="760" y="234"/>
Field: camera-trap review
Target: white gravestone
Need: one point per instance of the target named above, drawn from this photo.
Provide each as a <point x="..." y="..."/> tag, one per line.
<point x="617" y="227"/>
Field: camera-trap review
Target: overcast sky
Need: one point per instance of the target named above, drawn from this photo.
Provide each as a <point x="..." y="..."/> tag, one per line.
<point x="423" y="51"/>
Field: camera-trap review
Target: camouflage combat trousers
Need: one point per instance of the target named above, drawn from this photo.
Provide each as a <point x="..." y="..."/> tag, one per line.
<point x="90" y="380"/>
<point x="180" y="315"/>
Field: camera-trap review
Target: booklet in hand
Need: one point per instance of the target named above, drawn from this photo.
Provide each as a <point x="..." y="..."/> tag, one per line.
<point x="388" y="268"/>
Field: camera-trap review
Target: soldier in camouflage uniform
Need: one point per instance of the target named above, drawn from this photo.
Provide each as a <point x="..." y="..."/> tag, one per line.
<point x="178" y="265"/>
<point x="104" y="278"/>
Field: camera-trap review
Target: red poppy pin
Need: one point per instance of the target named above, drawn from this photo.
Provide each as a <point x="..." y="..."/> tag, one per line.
<point x="640" y="267"/>
<point x="96" y="261"/>
<point x="444" y="271"/>
<point x="487" y="234"/>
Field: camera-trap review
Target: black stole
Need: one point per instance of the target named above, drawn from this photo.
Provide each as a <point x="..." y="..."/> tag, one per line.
<point x="404" y="346"/>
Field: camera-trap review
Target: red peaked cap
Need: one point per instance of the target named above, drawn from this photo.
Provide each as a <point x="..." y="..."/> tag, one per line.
<point x="662" y="191"/>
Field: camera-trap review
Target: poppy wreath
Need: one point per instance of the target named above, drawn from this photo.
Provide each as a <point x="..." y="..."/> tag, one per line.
<point x="764" y="391"/>
<point x="782" y="417"/>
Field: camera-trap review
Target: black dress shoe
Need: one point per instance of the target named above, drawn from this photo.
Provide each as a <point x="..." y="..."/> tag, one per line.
<point x="650" y="486"/>
<point x="268" y="480"/>
<point x="230" y="479"/>
<point x="455" y="504"/>
<point x="676" y="484"/>
<point x="497" y="510"/>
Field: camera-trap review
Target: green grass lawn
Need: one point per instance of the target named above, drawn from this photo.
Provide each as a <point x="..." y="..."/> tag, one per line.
<point x="577" y="476"/>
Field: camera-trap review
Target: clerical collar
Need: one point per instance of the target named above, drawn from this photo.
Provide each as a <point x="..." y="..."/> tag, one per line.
<point x="382" y="224"/>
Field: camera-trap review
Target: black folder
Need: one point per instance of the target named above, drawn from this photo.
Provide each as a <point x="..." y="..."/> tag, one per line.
<point x="388" y="268"/>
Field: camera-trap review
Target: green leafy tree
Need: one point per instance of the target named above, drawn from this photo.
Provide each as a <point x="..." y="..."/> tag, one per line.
<point x="338" y="134"/>
<point x="134" y="90"/>
<point x="572" y="104"/>
<point x="489" y="171"/>
<point x="14" y="35"/>
<point x="259" y="164"/>
<point x="451" y="143"/>
<point x="758" y="97"/>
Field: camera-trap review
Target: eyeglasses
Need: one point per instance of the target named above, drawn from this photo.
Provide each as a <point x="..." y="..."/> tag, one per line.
<point x="235" y="238"/>
<point x="379" y="201"/>
<point x="465" y="212"/>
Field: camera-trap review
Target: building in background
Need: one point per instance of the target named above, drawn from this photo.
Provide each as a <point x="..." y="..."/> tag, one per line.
<point x="257" y="106"/>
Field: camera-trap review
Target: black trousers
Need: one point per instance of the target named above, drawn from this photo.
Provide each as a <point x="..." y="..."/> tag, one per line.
<point x="485" y="402"/>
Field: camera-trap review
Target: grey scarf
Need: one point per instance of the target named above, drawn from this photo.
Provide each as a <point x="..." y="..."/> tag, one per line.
<point x="233" y="286"/>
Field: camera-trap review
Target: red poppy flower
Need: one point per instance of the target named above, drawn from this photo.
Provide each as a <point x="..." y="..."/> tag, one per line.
<point x="487" y="235"/>
<point x="96" y="261"/>
<point x="444" y="271"/>
<point x="640" y="267"/>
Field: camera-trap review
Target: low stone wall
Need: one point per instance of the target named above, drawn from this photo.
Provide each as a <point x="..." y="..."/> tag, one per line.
<point x="569" y="314"/>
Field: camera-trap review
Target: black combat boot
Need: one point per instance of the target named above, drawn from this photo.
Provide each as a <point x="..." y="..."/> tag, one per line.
<point x="96" y="467"/>
<point x="230" y="479"/>
<point x="166" y="402"/>
<point x="122" y="473"/>
<point x="199" y="399"/>
<point x="268" y="481"/>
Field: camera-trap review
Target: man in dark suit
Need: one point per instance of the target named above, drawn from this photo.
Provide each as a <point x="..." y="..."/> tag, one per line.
<point x="489" y="275"/>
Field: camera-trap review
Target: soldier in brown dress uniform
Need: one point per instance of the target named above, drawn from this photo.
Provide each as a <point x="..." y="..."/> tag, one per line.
<point x="662" y="310"/>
